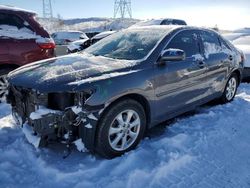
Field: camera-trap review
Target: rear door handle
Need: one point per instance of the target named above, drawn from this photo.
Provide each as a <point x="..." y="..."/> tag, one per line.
<point x="201" y="64"/>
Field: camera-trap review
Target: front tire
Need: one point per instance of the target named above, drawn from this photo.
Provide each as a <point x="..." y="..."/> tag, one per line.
<point x="121" y="128"/>
<point x="230" y="89"/>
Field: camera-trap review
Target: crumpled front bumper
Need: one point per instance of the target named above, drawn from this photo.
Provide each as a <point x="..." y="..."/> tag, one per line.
<point x="67" y="126"/>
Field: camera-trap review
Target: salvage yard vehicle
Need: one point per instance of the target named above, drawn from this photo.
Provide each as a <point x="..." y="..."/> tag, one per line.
<point x="162" y="21"/>
<point x="65" y="37"/>
<point x="78" y="45"/>
<point x="101" y="35"/>
<point x="82" y="44"/>
<point x="22" y="40"/>
<point x="120" y="87"/>
<point x="243" y="43"/>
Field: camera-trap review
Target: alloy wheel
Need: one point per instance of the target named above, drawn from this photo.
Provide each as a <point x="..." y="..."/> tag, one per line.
<point x="124" y="130"/>
<point x="231" y="88"/>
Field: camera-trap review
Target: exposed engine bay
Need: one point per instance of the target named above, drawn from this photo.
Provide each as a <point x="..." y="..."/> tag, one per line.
<point x="54" y="116"/>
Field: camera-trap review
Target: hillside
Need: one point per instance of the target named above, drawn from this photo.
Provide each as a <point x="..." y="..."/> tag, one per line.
<point x="88" y="25"/>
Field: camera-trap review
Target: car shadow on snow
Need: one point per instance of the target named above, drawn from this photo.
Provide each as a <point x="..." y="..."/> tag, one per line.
<point x="161" y="129"/>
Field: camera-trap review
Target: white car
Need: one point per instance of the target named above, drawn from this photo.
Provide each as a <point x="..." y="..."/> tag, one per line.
<point x="243" y="43"/>
<point x="65" y="37"/>
<point x="78" y="45"/>
<point x="82" y="44"/>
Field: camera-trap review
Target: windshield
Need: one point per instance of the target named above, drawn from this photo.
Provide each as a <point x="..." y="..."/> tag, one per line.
<point x="131" y="44"/>
<point x="242" y="41"/>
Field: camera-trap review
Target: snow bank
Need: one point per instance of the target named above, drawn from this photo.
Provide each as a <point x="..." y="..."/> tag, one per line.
<point x="79" y="145"/>
<point x="34" y="140"/>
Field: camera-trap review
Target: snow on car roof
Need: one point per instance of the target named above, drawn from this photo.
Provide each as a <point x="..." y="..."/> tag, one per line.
<point x="13" y="8"/>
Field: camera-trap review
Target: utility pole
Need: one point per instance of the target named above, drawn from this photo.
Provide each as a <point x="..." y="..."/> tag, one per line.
<point x="122" y="8"/>
<point x="47" y="9"/>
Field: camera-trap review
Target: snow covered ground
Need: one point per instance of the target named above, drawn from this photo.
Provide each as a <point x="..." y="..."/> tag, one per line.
<point x="210" y="148"/>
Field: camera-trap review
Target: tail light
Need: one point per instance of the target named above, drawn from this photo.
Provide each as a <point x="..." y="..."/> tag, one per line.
<point x="46" y="43"/>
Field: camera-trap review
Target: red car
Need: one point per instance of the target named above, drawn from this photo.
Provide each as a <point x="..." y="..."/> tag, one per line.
<point x="22" y="40"/>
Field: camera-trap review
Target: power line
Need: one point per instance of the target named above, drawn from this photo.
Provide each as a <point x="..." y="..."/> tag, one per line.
<point x="47" y="9"/>
<point x="122" y="8"/>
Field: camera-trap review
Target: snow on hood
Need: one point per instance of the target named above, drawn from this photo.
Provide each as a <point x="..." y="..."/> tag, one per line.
<point x="14" y="32"/>
<point x="59" y="72"/>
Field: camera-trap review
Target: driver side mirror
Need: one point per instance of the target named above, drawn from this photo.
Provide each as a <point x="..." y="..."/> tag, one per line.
<point x="172" y="55"/>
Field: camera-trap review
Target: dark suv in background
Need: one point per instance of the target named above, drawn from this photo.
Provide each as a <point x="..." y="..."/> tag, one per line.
<point x="22" y="40"/>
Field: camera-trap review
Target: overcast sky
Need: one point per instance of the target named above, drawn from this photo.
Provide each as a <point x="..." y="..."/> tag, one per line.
<point x="227" y="14"/>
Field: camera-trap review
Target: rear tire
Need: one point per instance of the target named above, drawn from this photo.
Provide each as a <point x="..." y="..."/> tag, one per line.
<point x="120" y="129"/>
<point x="230" y="89"/>
<point x="4" y="84"/>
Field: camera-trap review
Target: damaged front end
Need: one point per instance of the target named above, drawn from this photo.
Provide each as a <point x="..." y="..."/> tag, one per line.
<point x="55" y="116"/>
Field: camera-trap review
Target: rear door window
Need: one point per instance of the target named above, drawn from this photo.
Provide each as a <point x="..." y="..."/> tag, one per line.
<point x="12" y="26"/>
<point x="13" y="20"/>
<point x="187" y="41"/>
<point x="211" y="43"/>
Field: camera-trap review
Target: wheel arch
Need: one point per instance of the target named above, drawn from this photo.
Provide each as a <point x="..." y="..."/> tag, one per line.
<point x="134" y="96"/>
<point x="239" y="75"/>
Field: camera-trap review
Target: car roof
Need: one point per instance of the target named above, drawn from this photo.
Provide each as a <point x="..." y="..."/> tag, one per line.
<point x="15" y="9"/>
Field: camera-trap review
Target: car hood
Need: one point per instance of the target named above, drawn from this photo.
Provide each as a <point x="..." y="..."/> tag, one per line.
<point x="63" y="73"/>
